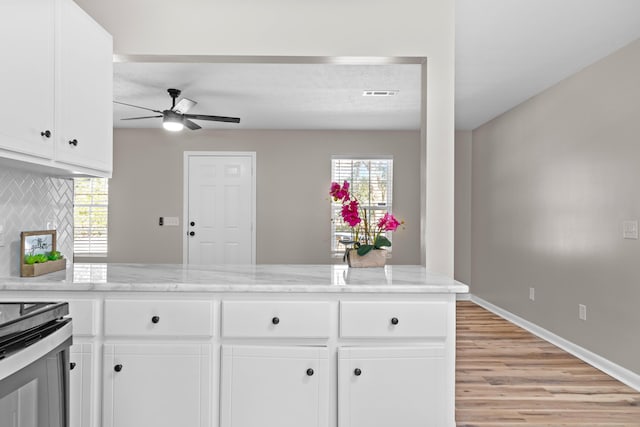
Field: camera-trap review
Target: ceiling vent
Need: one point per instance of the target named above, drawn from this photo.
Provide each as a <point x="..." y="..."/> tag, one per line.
<point x="380" y="93"/>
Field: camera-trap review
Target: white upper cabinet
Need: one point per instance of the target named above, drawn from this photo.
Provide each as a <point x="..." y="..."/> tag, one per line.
<point x="27" y="76"/>
<point x="56" y="112"/>
<point x="85" y="79"/>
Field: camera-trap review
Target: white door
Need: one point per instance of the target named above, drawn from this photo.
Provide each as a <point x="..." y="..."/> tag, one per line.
<point x="274" y="386"/>
<point x="220" y="216"/>
<point x="382" y="387"/>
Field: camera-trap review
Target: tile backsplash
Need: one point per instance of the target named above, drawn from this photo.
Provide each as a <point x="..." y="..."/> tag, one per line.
<point x="28" y="202"/>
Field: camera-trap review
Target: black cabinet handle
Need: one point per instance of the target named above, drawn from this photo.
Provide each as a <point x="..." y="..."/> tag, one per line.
<point x="275" y="320"/>
<point x="72" y="365"/>
<point x="309" y="372"/>
<point x="394" y="321"/>
<point x="155" y="319"/>
<point x="357" y="372"/>
<point x="73" y="142"/>
<point x="192" y="233"/>
<point x="117" y="368"/>
<point x="46" y="133"/>
<point x="192" y="223"/>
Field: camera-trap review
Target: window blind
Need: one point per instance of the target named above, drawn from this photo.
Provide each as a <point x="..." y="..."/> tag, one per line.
<point x="371" y="181"/>
<point x="90" y="216"/>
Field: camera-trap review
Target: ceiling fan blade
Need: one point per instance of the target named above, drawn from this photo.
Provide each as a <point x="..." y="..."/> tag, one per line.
<point x="212" y="118"/>
<point x="137" y="106"/>
<point x="191" y="125"/>
<point x="184" y="105"/>
<point x="138" y="118"/>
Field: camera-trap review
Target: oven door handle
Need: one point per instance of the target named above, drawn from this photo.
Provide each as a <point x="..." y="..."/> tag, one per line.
<point x="20" y="359"/>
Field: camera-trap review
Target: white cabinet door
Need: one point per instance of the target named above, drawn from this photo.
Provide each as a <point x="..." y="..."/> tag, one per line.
<point x="84" y="106"/>
<point x="27" y="76"/>
<point x="274" y="386"/>
<point x="381" y="387"/>
<point x="159" y="385"/>
<point x="81" y="385"/>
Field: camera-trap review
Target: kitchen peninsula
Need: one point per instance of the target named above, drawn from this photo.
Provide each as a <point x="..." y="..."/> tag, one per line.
<point x="268" y="345"/>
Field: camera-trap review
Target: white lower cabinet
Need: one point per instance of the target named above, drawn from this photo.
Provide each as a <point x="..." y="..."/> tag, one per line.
<point x="274" y="386"/>
<point x="382" y="387"/>
<point x="159" y="385"/>
<point x="81" y="385"/>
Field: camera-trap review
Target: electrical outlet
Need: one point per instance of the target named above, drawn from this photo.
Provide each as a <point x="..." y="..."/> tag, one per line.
<point x="532" y="294"/>
<point x="630" y="230"/>
<point x="582" y="312"/>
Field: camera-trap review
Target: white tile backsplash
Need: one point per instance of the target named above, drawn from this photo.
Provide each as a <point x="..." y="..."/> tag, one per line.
<point x="30" y="202"/>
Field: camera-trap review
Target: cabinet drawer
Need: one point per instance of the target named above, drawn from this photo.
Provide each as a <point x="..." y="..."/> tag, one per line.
<point x="403" y="319"/>
<point x="158" y="318"/>
<point x="282" y="319"/>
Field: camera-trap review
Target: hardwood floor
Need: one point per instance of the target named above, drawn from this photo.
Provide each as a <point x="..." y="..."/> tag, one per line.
<point x="506" y="376"/>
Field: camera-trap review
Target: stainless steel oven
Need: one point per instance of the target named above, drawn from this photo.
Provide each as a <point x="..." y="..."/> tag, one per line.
<point x="34" y="364"/>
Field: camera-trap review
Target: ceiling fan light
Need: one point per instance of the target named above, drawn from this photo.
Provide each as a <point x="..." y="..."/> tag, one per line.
<point x="173" y="124"/>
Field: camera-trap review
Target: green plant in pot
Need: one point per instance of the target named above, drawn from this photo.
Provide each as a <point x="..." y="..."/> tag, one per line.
<point x="42" y="258"/>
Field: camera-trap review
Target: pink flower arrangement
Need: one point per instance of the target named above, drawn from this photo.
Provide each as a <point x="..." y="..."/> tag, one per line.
<point x="366" y="238"/>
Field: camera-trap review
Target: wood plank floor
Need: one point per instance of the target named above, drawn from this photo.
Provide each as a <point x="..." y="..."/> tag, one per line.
<point x="506" y="376"/>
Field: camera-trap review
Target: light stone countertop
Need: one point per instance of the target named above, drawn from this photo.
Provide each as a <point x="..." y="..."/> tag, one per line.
<point x="292" y="278"/>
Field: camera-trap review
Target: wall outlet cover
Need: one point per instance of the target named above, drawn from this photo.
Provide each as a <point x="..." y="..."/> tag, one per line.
<point x="582" y="312"/>
<point x="630" y="229"/>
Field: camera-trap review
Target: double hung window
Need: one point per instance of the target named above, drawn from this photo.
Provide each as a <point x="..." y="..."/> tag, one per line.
<point x="371" y="182"/>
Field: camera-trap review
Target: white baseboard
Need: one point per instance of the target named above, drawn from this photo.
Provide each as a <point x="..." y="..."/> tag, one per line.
<point x="616" y="371"/>
<point x="463" y="297"/>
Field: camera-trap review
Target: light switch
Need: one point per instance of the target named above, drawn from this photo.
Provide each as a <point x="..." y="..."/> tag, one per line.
<point x="172" y="221"/>
<point x="630" y="230"/>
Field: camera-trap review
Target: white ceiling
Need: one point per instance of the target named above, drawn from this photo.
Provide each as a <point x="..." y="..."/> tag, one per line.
<point x="510" y="50"/>
<point x="506" y="52"/>
<point x="274" y="96"/>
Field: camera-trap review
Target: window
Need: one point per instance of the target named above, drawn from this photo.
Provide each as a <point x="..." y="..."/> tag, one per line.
<point x="370" y="181"/>
<point x="90" y="209"/>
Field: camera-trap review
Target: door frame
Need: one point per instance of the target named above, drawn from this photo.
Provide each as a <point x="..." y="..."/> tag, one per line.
<point x="185" y="196"/>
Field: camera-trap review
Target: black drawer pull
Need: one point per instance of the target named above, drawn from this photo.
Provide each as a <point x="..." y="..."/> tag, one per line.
<point x="46" y="134"/>
<point x="309" y="372"/>
<point x="72" y="365"/>
<point x="73" y="142"/>
<point x="357" y="372"/>
<point x="117" y="368"/>
<point x="155" y="319"/>
<point x="394" y="321"/>
<point x="275" y="320"/>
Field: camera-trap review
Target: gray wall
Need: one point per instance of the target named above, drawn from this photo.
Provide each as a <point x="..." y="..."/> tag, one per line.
<point x="293" y="177"/>
<point x="27" y="203"/>
<point x="462" y="243"/>
<point x="553" y="179"/>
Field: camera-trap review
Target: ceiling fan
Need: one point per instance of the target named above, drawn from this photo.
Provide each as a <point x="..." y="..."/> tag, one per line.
<point x="175" y="118"/>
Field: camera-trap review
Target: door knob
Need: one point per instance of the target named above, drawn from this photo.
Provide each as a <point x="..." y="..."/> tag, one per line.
<point x="357" y="372"/>
<point x="394" y="321"/>
<point x="117" y="368"/>
<point x="155" y="319"/>
<point x="192" y="233"/>
<point x="73" y="142"/>
<point x="46" y="134"/>
<point x="309" y="372"/>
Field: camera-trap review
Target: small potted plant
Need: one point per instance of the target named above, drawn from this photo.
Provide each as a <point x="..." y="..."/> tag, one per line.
<point x="368" y="240"/>
<point x="39" y="254"/>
